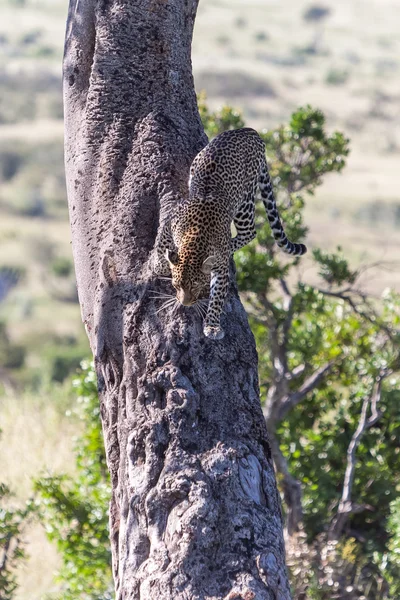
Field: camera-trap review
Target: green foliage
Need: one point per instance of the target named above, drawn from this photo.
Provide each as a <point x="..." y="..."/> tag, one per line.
<point x="74" y="509"/>
<point x="221" y="120"/>
<point x="336" y="77"/>
<point x="317" y="456"/>
<point x="302" y="152"/>
<point x="334" y="268"/>
<point x="62" y="266"/>
<point x="12" y="523"/>
<point x="389" y="562"/>
<point x="65" y="362"/>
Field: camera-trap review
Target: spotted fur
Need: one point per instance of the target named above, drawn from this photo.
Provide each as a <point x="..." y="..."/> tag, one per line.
<point x="197" y="242"/>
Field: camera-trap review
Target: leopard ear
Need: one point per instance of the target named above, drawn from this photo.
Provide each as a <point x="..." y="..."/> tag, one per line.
<point x="172" y="257"/>
<point x="208" y="265"/>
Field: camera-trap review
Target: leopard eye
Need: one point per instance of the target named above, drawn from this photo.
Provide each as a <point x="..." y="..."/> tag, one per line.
<point x="172" y="257"/>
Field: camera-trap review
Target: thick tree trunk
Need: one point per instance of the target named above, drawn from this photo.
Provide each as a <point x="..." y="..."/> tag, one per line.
<point x="195" y="512"/>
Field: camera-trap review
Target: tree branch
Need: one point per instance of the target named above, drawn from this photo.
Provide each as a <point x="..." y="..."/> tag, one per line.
<point x="291" y="487"/>
<point x="346" y="506"/>
<point x="371" y="316"/>
<point x="288" y="305"/>
<point x="309" y="384"/>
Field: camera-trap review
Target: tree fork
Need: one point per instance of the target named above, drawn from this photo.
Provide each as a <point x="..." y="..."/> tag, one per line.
<point x="195" y="512"/>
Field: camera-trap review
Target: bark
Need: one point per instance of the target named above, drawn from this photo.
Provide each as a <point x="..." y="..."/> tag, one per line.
<point x="195" y="512"/>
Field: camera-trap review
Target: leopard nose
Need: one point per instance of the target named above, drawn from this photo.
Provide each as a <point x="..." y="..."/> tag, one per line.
<point x="184" y="297"/>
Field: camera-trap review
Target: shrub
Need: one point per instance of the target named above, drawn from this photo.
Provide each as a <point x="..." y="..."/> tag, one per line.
<point x="11" y="160"/>
<point x="62" y="266"/>
<point x="240" y="23"/>
<point x="316" y="13"/>
<point x="74" y="509"/>
<point x="65" y="360"/>
<point x="12" y="523"/>
<point x="261" y="36"/>
<point x="336" y="77"/>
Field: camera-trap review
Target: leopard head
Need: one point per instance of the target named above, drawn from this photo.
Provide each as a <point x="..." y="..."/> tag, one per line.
<point x="190" y="275"/>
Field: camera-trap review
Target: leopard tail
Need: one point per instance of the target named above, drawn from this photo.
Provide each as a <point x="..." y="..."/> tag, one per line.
<point x="268" y="198"/>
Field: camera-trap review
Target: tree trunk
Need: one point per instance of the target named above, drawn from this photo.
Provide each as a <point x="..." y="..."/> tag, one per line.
<point x="195" y="512"/>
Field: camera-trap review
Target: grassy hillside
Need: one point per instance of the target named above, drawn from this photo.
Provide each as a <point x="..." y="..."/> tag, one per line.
<point x="262" y="56"/>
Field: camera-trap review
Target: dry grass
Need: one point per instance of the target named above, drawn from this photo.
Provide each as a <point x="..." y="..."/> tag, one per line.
<point x="42" y="130"/>
<point x="36" y="437"/>
<point x="37" y="576"/>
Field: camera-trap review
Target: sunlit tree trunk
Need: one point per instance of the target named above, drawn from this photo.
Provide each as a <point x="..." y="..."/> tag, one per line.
<point x="194" y="512"/>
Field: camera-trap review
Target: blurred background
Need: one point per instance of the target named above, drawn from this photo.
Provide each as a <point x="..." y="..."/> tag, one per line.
<point x="265" y="58"/>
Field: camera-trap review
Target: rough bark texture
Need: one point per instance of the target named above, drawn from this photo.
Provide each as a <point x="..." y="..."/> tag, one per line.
<point x="195" y="512"/>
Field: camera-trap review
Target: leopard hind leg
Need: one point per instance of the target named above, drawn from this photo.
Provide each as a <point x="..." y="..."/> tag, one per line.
<point x="244" y="221"/>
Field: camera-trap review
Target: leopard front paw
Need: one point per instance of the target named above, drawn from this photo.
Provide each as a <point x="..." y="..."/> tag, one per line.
<point x="214" y="333"/>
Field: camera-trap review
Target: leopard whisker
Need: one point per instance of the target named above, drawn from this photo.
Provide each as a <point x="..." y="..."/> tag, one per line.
<point x="161" y="297"/>
<point x="161" y="293"/>
<point x="197" y="310"/>
<point x="166" y="305"/>
<point x="200" y="309"/>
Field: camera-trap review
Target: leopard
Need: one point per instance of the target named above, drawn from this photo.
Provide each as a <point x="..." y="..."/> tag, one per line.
<point x="196" y="243"/>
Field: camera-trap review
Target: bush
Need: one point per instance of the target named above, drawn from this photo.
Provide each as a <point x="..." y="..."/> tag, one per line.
<point x="336" y="77"/>
<point x="74" y="509"/>
<point x="31" y="37"/>
<point x="62" y="266"/>
<point x="65" y="360"/>
<point x="43" y="51"/>
<point x="222" y="120"/>
<point x="11" y="161"/>
<point x="240" y="23"/>
<point x="316" y="13"/>
<point x="261" y="36"/>
<point x="223" y="40"/>
<point x="12" y="523"/>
